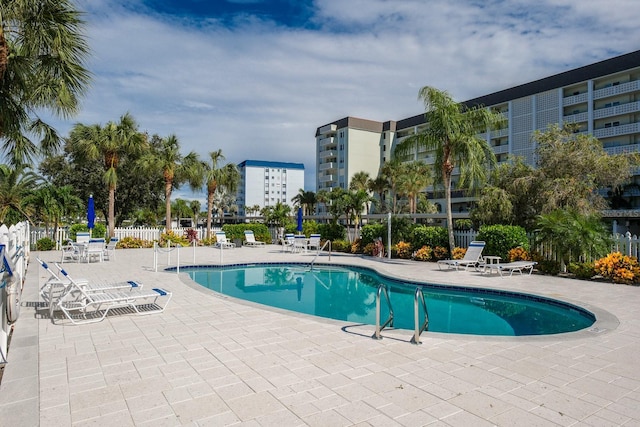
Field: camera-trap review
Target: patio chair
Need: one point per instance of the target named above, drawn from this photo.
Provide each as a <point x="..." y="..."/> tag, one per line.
<point x="472" y="257"/>
<point x="251" y="239"/>
<point x="287" y="242"/>
<point x="71" y="252"/>
<point x="80" y="306"/>
<point x="110" y="250"/>
<point x="299" y="243"/>
<point x="83" y="237"/>
<point x="314" y="242"/>
<point x="222" y="242"/>
<point x="95" y="249"/>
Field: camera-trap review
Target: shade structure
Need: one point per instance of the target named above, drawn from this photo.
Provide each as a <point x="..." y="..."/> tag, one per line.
<point x="91" y="213"/>
<point x="299" y="220"/>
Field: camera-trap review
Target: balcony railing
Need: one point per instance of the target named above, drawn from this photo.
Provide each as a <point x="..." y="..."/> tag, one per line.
<point x="616" y="110"/>
<point x="575" y="99"/>
<point x="617" y="89"/>
<point x="617" y="130"/>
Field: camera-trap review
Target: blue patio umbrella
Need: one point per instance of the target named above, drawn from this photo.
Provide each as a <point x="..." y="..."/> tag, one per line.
<point x="300" y="220"/>
<point x="91" y="214"/>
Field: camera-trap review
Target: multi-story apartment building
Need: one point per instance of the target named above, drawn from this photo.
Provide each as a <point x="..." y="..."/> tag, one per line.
<point x="265" y="183"/>
<point x="602" y="99"/>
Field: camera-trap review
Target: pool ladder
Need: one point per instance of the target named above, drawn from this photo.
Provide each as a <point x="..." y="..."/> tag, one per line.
<point x="418" y="299"/>
<point x="328" y="242"/>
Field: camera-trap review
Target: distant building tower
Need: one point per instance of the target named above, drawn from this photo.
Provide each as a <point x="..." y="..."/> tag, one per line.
<point x="265" y="183"/>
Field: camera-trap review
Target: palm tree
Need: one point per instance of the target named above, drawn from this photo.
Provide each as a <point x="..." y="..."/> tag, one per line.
<point x="453" y="135"/>
<point x="42" y="54"/>
<point x="52" y="203"/>
<point x="378" y="186"/>
<point x="361" y="181"/>
<point x="16" y="183"/>
<point x="195" y="207"/>
<point x="391" y="171"/>
<point x="414" y="179"/>
<point x="305" y="199"/>
<point x="175" y="168"/>
<point x="109" y="144"/>
<point x="211" y="177"/>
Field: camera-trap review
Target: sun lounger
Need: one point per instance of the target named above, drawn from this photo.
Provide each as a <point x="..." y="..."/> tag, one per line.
<point x="471" y="258"/>
<point x="81" y="306"/>
<point x="222" y="242"/>
<point x="251" y="239"/>
<point x="314" y="242"/>
<point x="515" y="266"/>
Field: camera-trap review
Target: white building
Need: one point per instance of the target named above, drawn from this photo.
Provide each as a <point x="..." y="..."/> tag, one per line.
<point x="265" y="183"/>
<point x="603" y="99"/>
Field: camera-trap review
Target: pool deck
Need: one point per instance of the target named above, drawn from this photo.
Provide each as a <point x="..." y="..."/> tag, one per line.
<point x="210" y="360"/>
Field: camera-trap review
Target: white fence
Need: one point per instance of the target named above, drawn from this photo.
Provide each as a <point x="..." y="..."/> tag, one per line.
<point x="14" y="251"/>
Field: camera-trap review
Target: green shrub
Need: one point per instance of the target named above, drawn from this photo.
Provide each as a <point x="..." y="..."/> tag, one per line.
<point x="173" y="238"/>
<point x="500" y="239"/>
<point x="132" y="243"/>
<point x="340" y="245"/>
<point x="73" y="230"/>
<point x="332" y="231"/>
<point x="429" y="236"/>
<point x="582" y="270"/>
<point x="236" y="231"/>
<point x="370" y="232"/>
<point x="45" y="244"/>
<point x="99" y="231"/>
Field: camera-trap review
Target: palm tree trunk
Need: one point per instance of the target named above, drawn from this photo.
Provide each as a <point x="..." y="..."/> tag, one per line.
<point x="112" y="209"/>
<point x="447" y="193"/>
<point x="209" y="213"/>
<point x="167" y="201"/>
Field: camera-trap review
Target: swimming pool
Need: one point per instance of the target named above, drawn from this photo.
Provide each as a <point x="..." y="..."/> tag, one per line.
<point x="348" y="293"/>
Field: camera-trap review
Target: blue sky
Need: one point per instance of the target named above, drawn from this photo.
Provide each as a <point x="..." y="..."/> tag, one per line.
<point x="256" y="78"/>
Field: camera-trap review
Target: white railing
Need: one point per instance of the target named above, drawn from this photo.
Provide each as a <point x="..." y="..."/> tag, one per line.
<point x="14" y="252"/>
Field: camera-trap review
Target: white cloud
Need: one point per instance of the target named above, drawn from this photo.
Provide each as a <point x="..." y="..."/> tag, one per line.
<point x="259" y="91"/>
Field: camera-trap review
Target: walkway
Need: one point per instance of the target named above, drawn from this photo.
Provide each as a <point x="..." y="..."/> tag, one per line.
<point x="210" y="360"/>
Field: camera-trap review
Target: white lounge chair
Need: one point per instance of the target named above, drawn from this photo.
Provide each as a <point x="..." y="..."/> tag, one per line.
<point x="83" y="237"/>
<point x="72" y="252"/>
<point x="95" y="249"/>
<point x="222" y="242"/>
<point x="515" y="266"/>
<point x="110" y="249"/>
<point x="81" y="306"/>
<point x="251" y="239"/>
<point x="471" y="258"/>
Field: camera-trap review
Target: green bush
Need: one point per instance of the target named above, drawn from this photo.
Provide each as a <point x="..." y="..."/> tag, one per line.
<point x="370" y="232"/>
<point x="340" y="245"/>
<point x="500" y="239"/>
<point x="236" y="231"/>
<point x="99" y="231"/>
<point x="132" y="243"/>
<point x="332" y="232"/>
<point x="429" y="236"/>
<point x="45" y="244"/>
<point x="582" y="270"/>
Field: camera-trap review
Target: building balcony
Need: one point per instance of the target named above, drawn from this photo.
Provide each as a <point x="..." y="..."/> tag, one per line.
<point x="623" y="149"/>
<point x="327" y="154"/>
<point x="500" y="133"/>
<point x="324" y="142"/>
<point x="576" y="118"/>
<point x="326" y="178"/>
<point x="327" y="166"/>
<point x="617" y="89"/>
<point x="327" y="129"/>
<point x="617" y="130"/>
<point x="501" y="149"/>
<point x="617" y="110"/>
<point x="575" y="99"/>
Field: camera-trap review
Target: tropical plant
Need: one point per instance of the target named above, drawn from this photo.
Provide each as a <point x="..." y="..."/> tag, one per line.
<point x="109" y="144"/>
<point x="619" y="268"/>
<point x="51" y="204"/>
<point x="361" y="181"/>
<point x="306" y="200"/>
<point x="572" y="235"/>
<point x="499" y="239"/>
<point x="16" y="184"/>
<point x="452" y="134"/>
<point x="414" y="179"/>
<point x="226" y="176"/>
<point x="42" y="55"/>
<point x="391" y="172"/>
<point x="165" y="159"/>
<point x="277" y="215"/>
<point x="45" y="244"/>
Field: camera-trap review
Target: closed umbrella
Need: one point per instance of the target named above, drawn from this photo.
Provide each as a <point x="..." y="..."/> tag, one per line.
<point x="299" y="220"/>
<point x="91" y="214"/>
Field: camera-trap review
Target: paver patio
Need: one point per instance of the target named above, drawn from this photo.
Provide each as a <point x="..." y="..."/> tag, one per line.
<point x="211" y="360"/>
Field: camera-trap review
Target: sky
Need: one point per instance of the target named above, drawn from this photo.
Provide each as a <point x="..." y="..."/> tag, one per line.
<point x="256" y="78"/>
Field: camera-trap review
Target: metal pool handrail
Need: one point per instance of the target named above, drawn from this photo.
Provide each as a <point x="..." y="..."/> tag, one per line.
<point x="328" y="242"/>
<point x="389" y="321"/>
<point x="419" y="295"/>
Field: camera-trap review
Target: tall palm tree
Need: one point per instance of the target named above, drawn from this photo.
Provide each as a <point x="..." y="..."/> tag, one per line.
<point x="414" y="179"/>
<point x="42" y="55"/>
<point x="212" y="174"/>
<point x="379" y="185"/>
<point x="52" y="203"/>
<point x="109" y="144"/>
<point x="174" y="167"/>
<point x="195" y="207"/>
<point x="16" y="183"/>
<point x="453" y="136"/>
<point x="361" y="181"/>
<point x="305" y="199"/>
<point x="391" y="171"/>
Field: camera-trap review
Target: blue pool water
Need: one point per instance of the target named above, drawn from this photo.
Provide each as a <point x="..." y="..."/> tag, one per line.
<point x="349" y="293"/>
